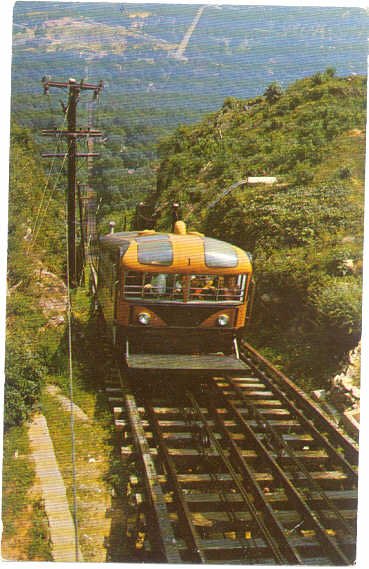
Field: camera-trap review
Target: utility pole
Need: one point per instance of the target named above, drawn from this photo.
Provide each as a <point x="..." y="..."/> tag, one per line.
<point x="72" y="134"/>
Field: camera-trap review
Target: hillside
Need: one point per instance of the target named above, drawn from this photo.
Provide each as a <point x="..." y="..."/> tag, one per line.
<point x="36" y="241"/>
<point x="37" y="369"/>
<point x="234" y="51"/>
<point x="305" y="232"/>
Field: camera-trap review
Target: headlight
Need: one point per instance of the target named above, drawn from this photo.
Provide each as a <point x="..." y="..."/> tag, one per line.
<point x="144" y="318"/>
<point x="223" y="320"/>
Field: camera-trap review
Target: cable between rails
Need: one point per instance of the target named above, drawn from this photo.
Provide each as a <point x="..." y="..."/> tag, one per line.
<point x="276" y="552"/>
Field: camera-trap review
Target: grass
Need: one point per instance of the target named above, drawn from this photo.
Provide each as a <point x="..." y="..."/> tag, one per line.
<point x="39" y="548"/>
<point x="94" y="440"/>
<point x="18" y="477"/>
<point x="25" y="533"/>
<point x="347" y="150"/>
<point x="92" y="463"/>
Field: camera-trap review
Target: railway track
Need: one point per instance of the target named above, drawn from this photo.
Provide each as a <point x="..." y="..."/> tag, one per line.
<point x="243" y="470"/>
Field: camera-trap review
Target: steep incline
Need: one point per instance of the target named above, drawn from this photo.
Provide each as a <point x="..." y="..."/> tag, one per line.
<point x="305" y="231"/>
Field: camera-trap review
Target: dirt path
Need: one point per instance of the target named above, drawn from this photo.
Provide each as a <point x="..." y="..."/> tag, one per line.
<point x="53" y="492"/>
<point x="66" y="403"/>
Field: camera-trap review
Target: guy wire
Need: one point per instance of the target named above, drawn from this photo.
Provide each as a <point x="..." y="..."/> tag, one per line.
<point x="70" y="363"/>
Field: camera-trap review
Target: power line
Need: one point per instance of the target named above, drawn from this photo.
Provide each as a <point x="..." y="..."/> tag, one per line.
<point x="45" y="189"/>
<point x="72" y="134"/>
<point x="34" y="237"/>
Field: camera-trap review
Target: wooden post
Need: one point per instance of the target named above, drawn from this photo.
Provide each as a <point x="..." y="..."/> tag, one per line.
<point x="72" y="134"/>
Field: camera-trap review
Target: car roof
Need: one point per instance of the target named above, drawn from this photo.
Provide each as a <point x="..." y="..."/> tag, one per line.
<point x="169" y="252"/>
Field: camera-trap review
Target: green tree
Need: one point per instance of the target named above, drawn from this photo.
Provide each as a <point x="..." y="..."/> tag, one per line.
<point x="273" y="93"/>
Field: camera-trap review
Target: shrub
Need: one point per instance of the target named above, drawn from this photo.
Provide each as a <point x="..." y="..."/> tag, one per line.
<point x="24" y="374"/>
<point x="330" y="72"/>
<point x="317" y="79"/>
<point x="303" y="173"/>
<point x="273" y="93"/>
<point x="345" y="172"/>
<point x="39" y="538"/>
<point x="231" y="103"/>
<point x="337" y="302"/>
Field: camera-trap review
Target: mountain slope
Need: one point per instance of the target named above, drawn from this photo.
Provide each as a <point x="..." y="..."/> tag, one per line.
<point x="305" y="232"/>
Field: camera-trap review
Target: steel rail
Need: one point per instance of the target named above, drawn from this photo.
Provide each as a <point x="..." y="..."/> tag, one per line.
<point x="184" y="514"/>
<point x="282" y="444"/>
<point x="229" y="511"/>
<point x="268" y="530"/>
<point x="162" y="536"/>
<point x="333" y="549"/>
<point x="276" y="527"/>
<point x="269" y="538"/>
<point x="312" y="411"/>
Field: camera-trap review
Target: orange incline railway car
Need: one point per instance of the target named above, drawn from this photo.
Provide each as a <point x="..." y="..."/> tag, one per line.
<point x="174" y="300"/>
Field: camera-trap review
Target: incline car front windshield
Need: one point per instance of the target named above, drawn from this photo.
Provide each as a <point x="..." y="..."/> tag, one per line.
<point x="184" y="288"/>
